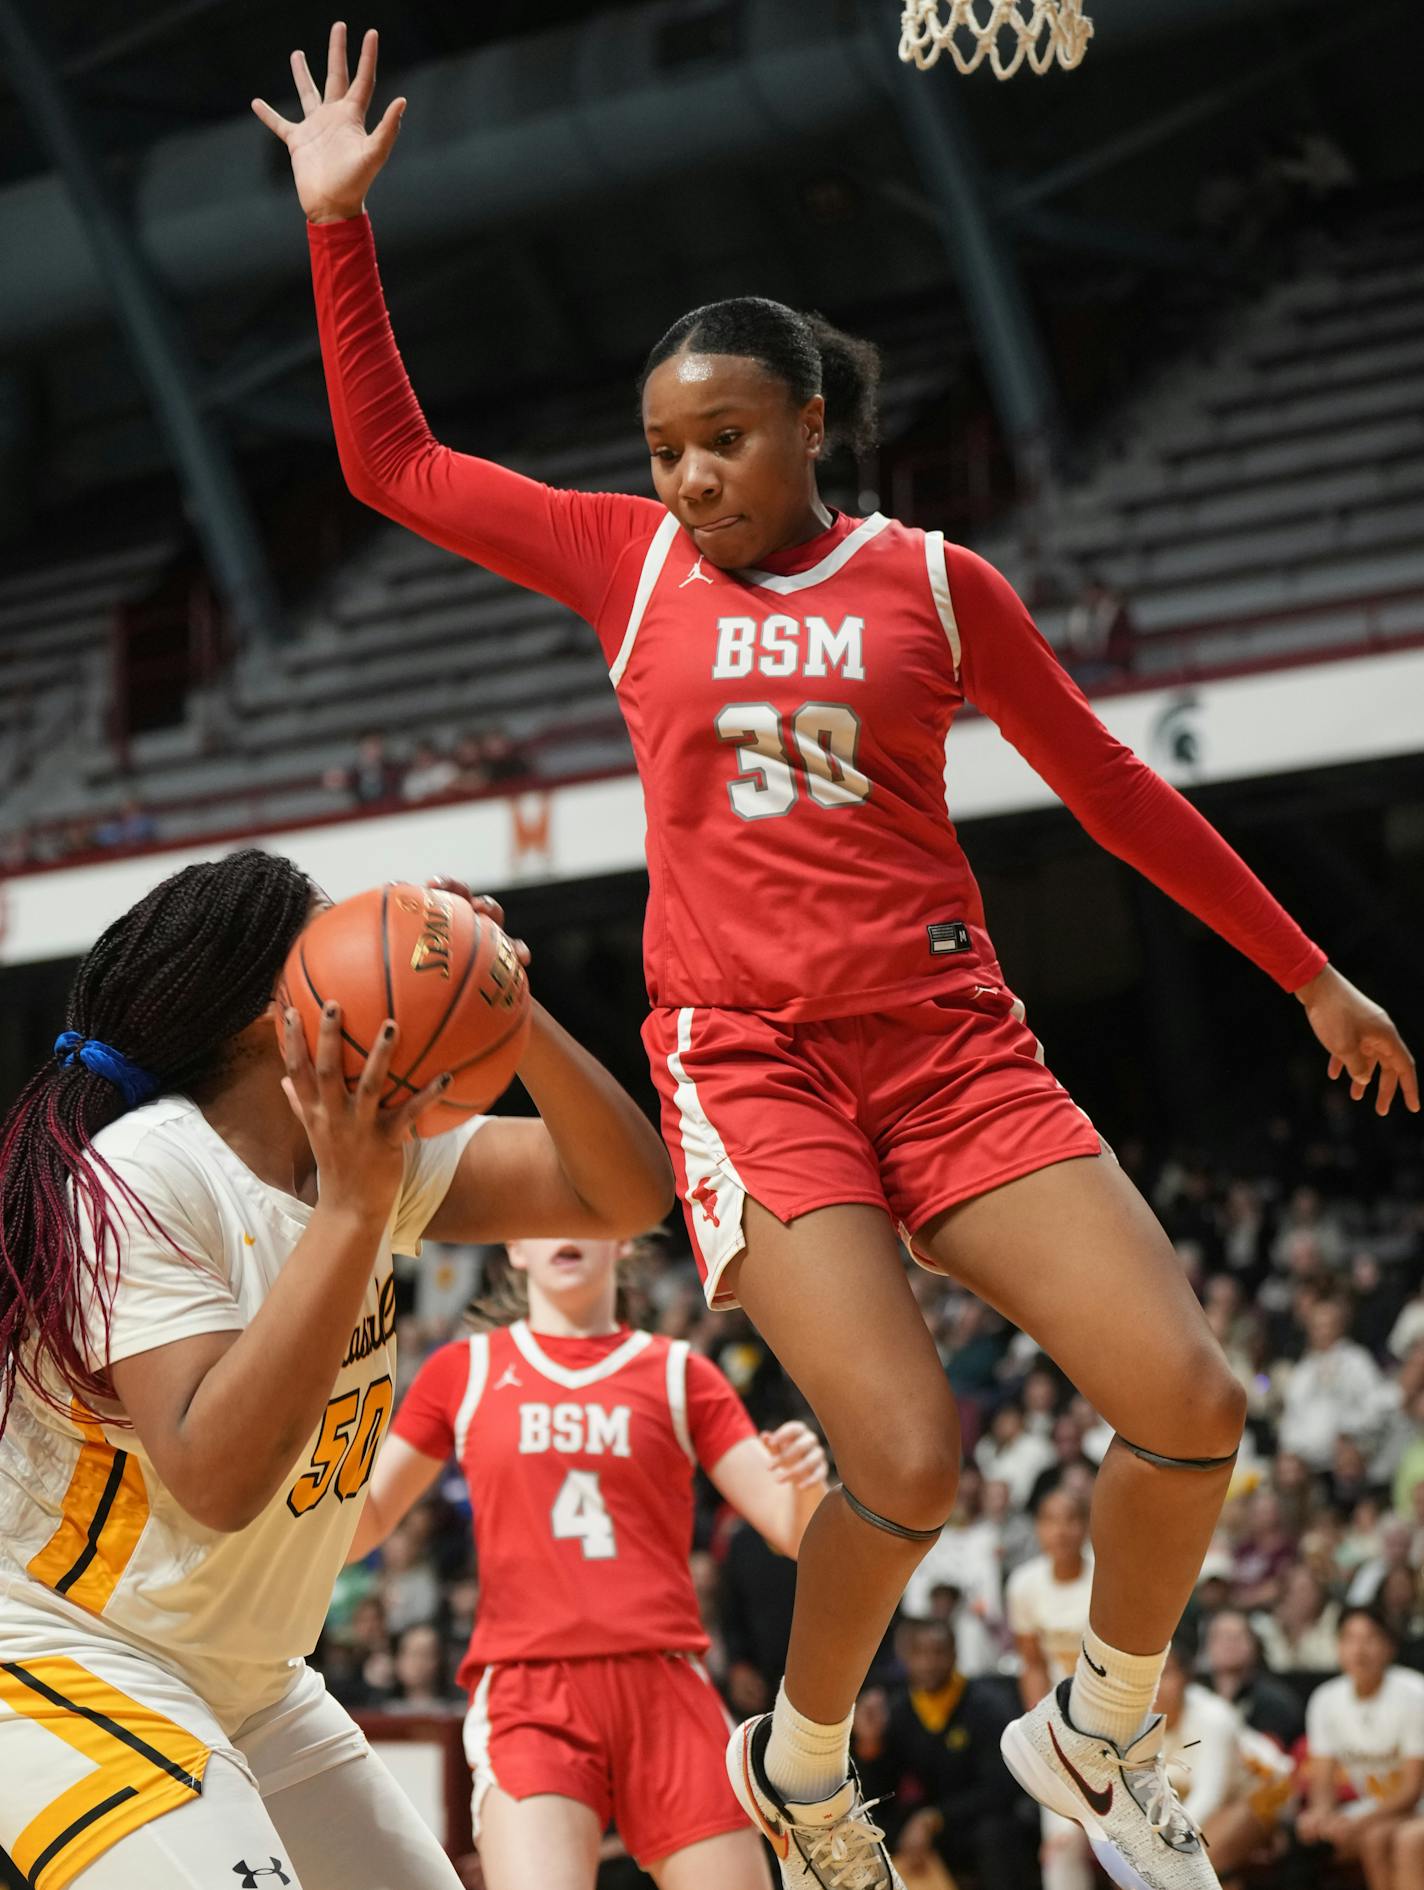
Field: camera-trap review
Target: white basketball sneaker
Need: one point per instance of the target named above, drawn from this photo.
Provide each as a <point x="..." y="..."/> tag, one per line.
<point x="832" y="1845"/>
<point x="1122" y="1797"/>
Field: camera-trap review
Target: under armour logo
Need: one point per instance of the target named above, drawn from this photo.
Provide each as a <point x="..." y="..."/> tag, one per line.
<point x="509" y="1377"/>
<point x="695" y="576"/>
<point x="249" y="1873"/>
<point x="706" y="1199"/>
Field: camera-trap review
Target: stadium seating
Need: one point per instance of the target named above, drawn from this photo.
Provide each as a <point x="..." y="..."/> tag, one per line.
<point x="1265" y="499"/>
<point x="1258" y="501"/>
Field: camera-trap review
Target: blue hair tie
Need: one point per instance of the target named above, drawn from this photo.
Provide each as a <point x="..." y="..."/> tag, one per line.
<point x="135" y="1084"/>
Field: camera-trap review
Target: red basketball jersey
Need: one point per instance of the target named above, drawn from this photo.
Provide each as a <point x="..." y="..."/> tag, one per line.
<point x="580" y="1456"/>
<point x="790" y="732"/>
<point x="788" y="723"/>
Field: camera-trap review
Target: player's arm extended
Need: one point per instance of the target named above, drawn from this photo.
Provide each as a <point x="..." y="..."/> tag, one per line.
<point x="776" y="1481"/>
<point x="1009" y="671"/>
<point x="401" y="1477"/>
<point x="589" y="1164"/>
<point x="564" y="544"/>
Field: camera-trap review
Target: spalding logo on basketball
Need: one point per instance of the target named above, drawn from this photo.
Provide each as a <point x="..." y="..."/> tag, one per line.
<point x="447" y="975"/>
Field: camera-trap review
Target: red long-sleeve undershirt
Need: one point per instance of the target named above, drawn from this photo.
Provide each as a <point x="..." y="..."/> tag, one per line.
<point x="585" y="551"/>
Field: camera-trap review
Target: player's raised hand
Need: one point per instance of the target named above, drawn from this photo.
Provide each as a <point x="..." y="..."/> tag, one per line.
<point x="357" y="1143"/>
<point x="335" y="159"/>
<point x="1361" y="1039"/>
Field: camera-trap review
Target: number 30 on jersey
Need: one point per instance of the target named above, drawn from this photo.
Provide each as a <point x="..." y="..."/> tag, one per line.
<point x="820" y="742"/>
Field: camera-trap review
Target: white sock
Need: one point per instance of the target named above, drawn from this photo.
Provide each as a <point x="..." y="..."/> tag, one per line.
<point x="806" y="1761"/>
<point x="1112" y="1691"/>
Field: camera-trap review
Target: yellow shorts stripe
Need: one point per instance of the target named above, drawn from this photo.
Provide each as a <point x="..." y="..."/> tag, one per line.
<point x="144" y="1765"/>
<point x="102" y="1517"/>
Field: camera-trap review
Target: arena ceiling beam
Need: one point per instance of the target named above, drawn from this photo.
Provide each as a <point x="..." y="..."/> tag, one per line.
<point x="216" y="500"/>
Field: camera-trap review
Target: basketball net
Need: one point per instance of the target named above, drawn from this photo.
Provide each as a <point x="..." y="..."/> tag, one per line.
<point x="1036" y="31"/>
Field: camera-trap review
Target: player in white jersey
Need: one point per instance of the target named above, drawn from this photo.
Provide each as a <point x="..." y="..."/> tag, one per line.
<point x="1046" y="1604"/>
<point x="197" y="1340"/>
<point x="1365" y="1732"/>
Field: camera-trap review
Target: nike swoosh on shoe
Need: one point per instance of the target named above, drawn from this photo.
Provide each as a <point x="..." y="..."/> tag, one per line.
<point x="1101" y="1802"/>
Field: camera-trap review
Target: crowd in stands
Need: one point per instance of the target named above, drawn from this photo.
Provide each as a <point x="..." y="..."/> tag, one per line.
<point x="429" y="771"/>
<point x="1304" y="1243"/>
<point x="378" y="779"/>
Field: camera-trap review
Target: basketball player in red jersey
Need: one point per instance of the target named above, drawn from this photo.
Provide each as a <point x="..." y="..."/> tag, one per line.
<point x="579" y="1440"/>
<point x="837" y="1049"/>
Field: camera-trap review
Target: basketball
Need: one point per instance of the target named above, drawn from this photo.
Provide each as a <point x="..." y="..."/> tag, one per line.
<point x="447" y="975"/>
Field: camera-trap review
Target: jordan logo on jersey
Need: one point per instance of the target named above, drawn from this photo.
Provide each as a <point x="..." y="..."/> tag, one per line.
<point x="571" y="1428"/>
<point x="706" y="1199"/>
<point x="509" y="1377"/>
<point x="695" y="576"/>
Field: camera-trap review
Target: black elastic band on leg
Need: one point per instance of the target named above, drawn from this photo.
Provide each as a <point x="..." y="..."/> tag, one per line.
<point x="883" y="1522"/>
<point x="1156" y="1458"/>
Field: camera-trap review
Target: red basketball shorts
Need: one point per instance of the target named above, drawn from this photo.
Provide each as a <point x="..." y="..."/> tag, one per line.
<point x="640" y="1739"/>
<point x="912" y="1110"/>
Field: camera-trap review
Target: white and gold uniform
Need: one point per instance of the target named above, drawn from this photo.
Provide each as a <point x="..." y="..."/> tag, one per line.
<point x="150" y="1665"/>
<point x="1370" y="1740"/>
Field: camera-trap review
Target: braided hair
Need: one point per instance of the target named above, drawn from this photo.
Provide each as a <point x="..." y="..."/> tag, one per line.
<point x="167" y="986"/>
<point x="803" y="350"/>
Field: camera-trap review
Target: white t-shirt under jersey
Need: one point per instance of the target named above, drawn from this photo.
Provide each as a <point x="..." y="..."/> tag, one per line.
<point x="1057" y="1612"/>
<point x="1369" y="1739"/>
<point x="87" y="1527"/>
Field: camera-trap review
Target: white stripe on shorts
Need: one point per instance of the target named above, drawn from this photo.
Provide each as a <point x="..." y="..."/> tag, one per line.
<point x="477" y="1747"/>
<point x="715" y="1192"/>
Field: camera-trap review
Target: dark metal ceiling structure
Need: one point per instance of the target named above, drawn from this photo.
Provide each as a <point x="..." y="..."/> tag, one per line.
<point x="572" y="174"/>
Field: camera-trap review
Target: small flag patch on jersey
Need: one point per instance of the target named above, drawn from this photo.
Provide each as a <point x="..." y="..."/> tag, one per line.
<point x="950" y="936"/>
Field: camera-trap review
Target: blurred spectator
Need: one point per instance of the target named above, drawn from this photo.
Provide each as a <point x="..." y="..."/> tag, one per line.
<point x="1012" y="1453"/>
<point x="1042" y="1394"/>
<point x="471" y="773"/>
<point x="1366" y="1735"/>
<point x="758" y="1593"/>
<point x="1264" y="1550"/>
<point x="1309" y="1228"/>
<point x="1099" y="634"/>
<point x="1399" y="1602"/>
<point x="966" y="1564"/>
<point x="1300" y="1633"/>
<point x="1067" y="1441"/>
<point x="422" y="1674"/>
<point x="410" y="1588"/>
<point x="1241" y="1228"/>
<point x="1046" y="1601"/>
<point x="929" y="1750"/>
<point x="1234" y="1783"/>
<point x="503" y="760"/>
<point x="1335" y="1389"/>
<point x="429" y="773"/>
<point x="132" y="826"/>
<point x="1409" y="1471"/>
<point x="1233" y="1666"/>
<point x="374" y="776"/>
